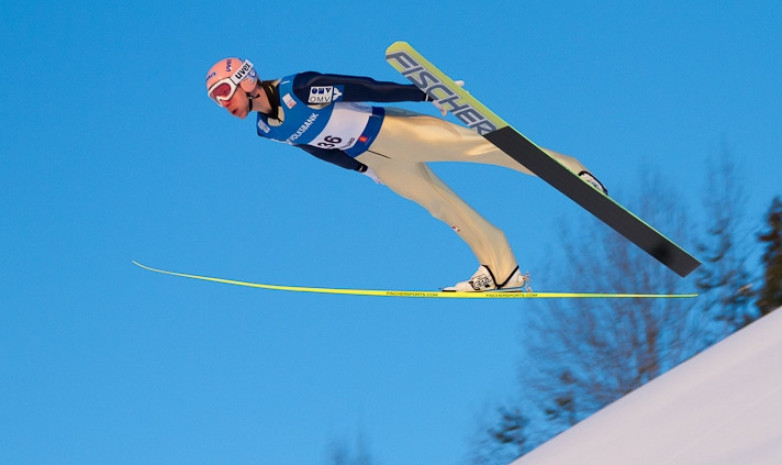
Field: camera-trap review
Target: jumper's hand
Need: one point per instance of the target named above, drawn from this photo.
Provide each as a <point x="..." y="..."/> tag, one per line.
<point x="442" y="109"/>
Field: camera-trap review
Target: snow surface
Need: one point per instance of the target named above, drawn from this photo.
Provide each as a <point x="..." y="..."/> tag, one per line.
<point x="723" y="406"/>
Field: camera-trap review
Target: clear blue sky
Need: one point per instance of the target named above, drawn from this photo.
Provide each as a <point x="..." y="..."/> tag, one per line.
<point x="110" y="151"/>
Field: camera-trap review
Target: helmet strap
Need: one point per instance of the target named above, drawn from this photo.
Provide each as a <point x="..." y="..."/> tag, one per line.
<point x="251" y="96"/>
<point x="270" y="90"/>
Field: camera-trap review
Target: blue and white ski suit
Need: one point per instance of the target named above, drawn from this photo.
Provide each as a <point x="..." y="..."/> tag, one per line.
<point x="327" y="116"/>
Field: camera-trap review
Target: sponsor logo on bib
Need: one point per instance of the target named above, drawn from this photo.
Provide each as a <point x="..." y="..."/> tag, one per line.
<point x="324" y="94"/>
<point x="288" y="100"/>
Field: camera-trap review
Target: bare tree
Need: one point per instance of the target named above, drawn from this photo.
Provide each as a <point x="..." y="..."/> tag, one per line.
<point x="602" y="349"/>
<point x="343" y="453"/>
<point x="501" y="437"/>
<point x="724" y="281"/>
<point x="579" y="355"/>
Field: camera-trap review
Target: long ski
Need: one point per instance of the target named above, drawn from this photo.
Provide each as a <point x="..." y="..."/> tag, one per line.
<point x="478" y="117"/>
<point x="509" y="294"/>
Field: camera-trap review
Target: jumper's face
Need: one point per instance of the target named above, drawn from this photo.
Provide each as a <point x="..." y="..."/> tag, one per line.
<point x="238" y="105"/>
<point x="227" y="84"/>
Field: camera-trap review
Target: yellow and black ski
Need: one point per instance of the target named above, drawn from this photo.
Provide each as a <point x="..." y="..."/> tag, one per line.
<point x="477" y="116"/>
<point x="502" y="294"/>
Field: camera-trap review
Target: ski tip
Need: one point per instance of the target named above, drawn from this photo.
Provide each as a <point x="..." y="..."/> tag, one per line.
<point x="142" y="266"/>
<point x="397" y="46"/>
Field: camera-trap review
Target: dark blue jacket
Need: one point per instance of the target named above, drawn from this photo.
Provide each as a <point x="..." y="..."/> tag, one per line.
<point x="351" y="89"/>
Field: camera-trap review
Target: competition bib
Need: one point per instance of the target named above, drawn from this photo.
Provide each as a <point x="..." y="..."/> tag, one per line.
<point x="347" y="123"/>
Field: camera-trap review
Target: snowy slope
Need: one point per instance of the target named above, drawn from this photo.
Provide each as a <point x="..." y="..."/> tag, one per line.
<point x="722" y="407"/>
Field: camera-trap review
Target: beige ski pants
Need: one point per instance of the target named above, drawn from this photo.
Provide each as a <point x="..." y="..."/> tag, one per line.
<point x="408" y="140"/>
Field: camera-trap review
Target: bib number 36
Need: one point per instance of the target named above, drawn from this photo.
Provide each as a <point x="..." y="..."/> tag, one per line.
<point x="329" y="142"/>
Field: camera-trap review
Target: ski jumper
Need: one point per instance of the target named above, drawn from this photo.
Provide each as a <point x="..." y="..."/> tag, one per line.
<point x="326" y="115"/>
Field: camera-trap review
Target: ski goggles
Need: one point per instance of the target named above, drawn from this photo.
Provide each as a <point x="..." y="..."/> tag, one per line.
<point x="224" y="89"/>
